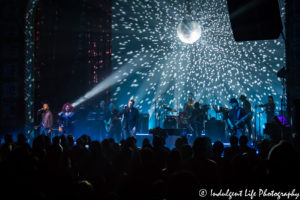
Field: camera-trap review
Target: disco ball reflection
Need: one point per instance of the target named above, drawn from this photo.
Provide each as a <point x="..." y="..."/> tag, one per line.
<point x="162" y="70"/>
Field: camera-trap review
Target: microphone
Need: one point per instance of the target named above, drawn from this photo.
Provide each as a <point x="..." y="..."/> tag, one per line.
<point x="40" y="109"/>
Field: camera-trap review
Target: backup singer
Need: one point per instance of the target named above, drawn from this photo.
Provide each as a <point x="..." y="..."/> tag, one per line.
<point x="67" y="119"/>
<point x="270" y="109"/>
<point x="130" y="119"/>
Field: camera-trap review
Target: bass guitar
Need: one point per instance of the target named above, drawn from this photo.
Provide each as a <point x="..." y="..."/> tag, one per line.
<point x="236" y="125"/>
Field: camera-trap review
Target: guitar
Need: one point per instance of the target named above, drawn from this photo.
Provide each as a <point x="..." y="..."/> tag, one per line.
<point x="234" y="126"/>
<point x="107" y="125"/>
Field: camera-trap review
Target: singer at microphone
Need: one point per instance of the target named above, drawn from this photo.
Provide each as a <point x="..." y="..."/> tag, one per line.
<point x="130" y="119"/>
<point x="46" y="124"/>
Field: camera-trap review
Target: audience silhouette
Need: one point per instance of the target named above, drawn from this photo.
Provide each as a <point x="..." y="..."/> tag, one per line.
<point x="88" y="169"/>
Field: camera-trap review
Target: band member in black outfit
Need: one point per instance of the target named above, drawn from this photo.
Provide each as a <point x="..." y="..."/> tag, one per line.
<point x="247" y="109"/>
<point x="130" y="119"/>
<point x="197" y="119"/>
<point x="236" y="114"/>
<point x="46" y="124"/>
<point x="114" y="127"/>
<point x="67" y="119"/>
<point x="270" y="109"/>
<point x="102" y="114"/>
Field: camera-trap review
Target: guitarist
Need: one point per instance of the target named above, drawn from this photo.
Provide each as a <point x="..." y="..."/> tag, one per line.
<point x="247" y="108"/>
<point x="235" y="114"/>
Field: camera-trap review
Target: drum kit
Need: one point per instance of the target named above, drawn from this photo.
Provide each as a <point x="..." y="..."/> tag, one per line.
<point x="173" y="119"/>
<point x="181" y="120"/>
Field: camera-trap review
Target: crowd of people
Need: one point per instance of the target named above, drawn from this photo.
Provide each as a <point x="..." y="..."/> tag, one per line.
<point x="86" y="169"/>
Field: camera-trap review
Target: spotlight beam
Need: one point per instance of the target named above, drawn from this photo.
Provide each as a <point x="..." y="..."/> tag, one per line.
<point x="111" y="80"/>
<point x="100" y="87"/>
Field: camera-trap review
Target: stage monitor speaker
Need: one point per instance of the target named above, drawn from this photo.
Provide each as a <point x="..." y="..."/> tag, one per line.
<point x="143" y="122"/>
<point x="254" y="19"/>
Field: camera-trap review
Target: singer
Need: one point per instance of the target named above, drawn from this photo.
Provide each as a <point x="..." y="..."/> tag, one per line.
<point x="46" y="124"/>
<point x="67" y="119"/>
<point x="130" y="119"/>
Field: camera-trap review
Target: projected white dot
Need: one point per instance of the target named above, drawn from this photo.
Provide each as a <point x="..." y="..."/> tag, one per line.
<point x="189" y="31"/>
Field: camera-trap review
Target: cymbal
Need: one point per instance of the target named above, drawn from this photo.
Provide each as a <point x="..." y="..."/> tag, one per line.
<point x="170" y="109"/>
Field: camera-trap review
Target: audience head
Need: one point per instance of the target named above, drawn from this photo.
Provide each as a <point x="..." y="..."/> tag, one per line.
<point x="56" y="140"/>
<point x="71" y="140"/>
<point x="284" y="163"/>
<point x="96" y="148"/>
<point x="157" y="141"/>
<point x="146" y="143"/>
<point x="186" y="152"/>
<point x="8" y="139"/>
<point x="243" y="140"/>
<point x="147" y="156"/>
<point x="22" y="138"/>
<point x="202" y="147"/>
<point x="218" y="148"/>
<point x="234" y="141"/>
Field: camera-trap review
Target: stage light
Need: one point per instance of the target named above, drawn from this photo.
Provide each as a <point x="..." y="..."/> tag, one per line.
<point x="189" y="31"/>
